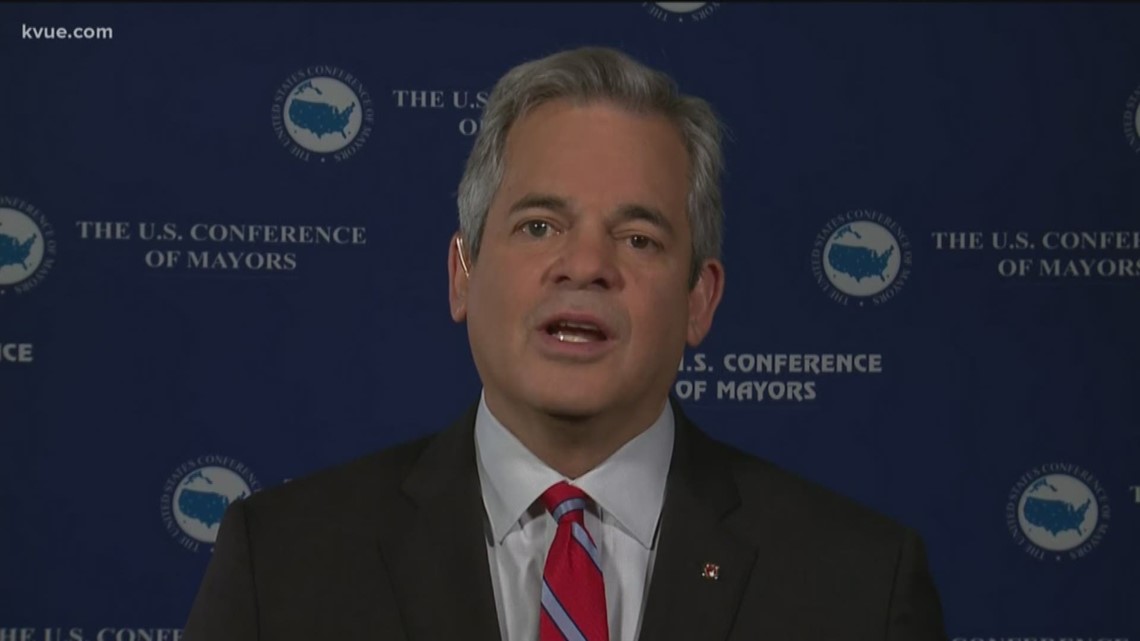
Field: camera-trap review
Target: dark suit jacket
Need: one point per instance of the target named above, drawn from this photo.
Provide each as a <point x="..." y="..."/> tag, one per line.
<point x="392" y="547"/>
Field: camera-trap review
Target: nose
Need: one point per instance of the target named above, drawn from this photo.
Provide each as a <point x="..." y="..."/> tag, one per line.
<point x="587" y="260"/>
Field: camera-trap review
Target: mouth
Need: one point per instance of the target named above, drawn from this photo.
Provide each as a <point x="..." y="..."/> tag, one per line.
<point x="577" y="329"/>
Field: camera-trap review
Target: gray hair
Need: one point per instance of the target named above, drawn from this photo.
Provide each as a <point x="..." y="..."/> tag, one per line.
<point x="597" y="74"/>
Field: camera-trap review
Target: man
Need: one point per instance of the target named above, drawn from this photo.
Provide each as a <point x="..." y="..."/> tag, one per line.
<point x="575" y="500"/>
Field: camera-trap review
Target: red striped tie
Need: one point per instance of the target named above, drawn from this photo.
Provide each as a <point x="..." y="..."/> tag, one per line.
<point x="573" y="593"/>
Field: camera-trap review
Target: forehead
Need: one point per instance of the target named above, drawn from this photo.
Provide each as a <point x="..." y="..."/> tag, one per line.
<point x="597" y="153"/>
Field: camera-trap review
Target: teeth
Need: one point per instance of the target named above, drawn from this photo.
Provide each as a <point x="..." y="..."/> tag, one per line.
<point x="578" y="326"/>
<point x="571" y="332"/>
<point x="563" y="337"/>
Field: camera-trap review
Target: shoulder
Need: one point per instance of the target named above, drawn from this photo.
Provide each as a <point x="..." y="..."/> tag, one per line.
<point x="824" y="558"/>
<point x="354" y="491"/>
<point x="804" y="511"/>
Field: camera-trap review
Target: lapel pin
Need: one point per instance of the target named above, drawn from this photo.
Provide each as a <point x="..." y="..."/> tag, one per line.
<point x="711" y="571"/>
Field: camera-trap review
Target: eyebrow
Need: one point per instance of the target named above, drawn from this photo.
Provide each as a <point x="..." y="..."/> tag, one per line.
<point x="648" y="214"/>
<point x="625" y="213"/>
<point x="540" y="201"/>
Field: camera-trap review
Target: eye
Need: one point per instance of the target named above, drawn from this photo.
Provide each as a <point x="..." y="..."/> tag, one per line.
<point x="536" y="228"/>
<point x="637" y="241"/>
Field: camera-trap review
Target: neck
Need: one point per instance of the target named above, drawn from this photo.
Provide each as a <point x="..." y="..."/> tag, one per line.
<point x="572" y="444"/>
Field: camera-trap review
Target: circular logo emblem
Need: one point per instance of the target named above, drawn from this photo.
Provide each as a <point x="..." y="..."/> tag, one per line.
<point x="861" y="255"/>
<point x="27" y="246"/>
<point x="861" y="258"/>
<point x="680" y="11"/>
<point x="1058" y="509"/>
<point x="197" y="494"/>
<point x="322" y="111"/>
<point x="1058" y="512"/>
<point x="1132" y="121"/>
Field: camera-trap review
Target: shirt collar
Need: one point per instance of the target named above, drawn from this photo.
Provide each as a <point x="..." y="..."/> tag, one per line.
<point x="629" y="485"/>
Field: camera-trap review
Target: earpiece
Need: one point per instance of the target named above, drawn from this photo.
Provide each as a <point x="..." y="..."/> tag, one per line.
<point x="462" y="260"/>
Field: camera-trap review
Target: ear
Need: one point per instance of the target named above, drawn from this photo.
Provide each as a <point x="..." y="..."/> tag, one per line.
<point x="704" y="298"/>
<point x="457" y="280"/>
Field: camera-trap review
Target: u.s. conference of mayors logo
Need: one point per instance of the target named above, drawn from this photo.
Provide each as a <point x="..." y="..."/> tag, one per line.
<point x="1057" y="511"/>
<point x="1132" y="120"/>
<point x="27" y="245"/>
<point x="680" y="11"/>
<point x="862" y="255"/>
<point x="196" y="495"/>
<point x="322" y="112"/>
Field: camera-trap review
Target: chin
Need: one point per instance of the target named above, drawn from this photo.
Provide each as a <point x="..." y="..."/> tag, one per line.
<point x="571" y="402"/>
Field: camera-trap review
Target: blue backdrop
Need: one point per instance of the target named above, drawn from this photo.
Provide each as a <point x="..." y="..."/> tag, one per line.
<point x="223" y="235"/>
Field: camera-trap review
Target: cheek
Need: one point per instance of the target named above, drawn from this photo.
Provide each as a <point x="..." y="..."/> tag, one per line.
<point x="491" y="308"/>
<point x="662" y="315"/>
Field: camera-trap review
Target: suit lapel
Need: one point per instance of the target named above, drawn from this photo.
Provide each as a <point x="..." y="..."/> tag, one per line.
<point x="700" y="493"/>
<point x="438" y="561"/>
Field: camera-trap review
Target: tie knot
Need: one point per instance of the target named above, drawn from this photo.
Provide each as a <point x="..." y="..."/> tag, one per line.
<point x="563" y="501"/>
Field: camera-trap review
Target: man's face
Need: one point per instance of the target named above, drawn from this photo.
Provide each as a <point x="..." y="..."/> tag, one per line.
<point x="579" y="302"/>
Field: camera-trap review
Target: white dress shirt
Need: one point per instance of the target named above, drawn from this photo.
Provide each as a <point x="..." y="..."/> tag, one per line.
<point x="628" y="490"/>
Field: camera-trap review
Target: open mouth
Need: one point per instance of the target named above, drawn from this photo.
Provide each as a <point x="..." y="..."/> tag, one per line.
<point x="575" y="332"/>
